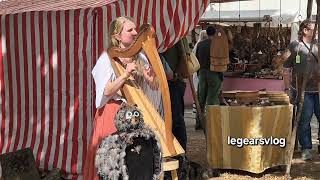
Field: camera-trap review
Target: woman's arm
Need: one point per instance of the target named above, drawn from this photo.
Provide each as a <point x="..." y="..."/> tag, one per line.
<point x="148" y="72"/>
<point x="113" y="87"/>
<point x="150" y="76"/>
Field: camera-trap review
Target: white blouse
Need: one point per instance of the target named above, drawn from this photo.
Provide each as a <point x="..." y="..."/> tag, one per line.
<point x="103" y="72"/>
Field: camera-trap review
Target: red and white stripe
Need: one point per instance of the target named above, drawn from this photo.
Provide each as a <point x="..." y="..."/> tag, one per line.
<point x="46" y="89"/>
<point x="171" y="19"/>
<point x="45" y="86"/>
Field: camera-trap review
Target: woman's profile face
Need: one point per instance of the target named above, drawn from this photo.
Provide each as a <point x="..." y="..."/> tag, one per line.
<point x="128" y="33"/>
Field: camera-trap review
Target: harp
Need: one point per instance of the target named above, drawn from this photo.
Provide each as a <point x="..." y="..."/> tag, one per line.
<point x="146" y="41"/>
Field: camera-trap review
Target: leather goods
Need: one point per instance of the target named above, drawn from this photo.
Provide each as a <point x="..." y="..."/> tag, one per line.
<point x="189" y="64"/>
<point x="219" y="52"/>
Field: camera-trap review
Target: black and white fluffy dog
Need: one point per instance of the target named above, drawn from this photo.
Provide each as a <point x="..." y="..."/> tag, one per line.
<point x="133" y="152"/>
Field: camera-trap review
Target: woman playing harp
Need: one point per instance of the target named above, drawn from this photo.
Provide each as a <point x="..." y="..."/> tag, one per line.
<point x="122" y="34"/>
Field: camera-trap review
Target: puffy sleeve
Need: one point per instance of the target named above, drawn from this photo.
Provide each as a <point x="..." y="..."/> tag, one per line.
<point x="102" y="73"/>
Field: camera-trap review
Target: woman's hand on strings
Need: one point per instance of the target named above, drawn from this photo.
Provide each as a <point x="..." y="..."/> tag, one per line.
<point x="113" y="87"/>
<point x="130" y="68"/>
<point x="150" y="76"/>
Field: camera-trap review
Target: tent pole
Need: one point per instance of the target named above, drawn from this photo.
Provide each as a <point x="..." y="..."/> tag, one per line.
<point x="309" y="8"/>
<point x="318" y="22"/>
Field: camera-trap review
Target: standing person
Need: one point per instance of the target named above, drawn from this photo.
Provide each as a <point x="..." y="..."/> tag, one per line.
<point x="108" y="97"/>
<point x="177" y="87"/>
<point x="295" y="67"/>
<point x="209" y="82"/>
<point x="202" y="36"/>
<point x="169" y="76"/>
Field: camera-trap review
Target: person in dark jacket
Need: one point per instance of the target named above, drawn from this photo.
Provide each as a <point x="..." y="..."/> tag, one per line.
<point x="209" y="82"/>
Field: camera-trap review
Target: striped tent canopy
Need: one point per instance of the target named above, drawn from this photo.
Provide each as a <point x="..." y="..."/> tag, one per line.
<point x="48" y="49"/>
<point x="19" y="6"/>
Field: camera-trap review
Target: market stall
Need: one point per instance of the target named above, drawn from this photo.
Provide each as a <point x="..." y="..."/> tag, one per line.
<point x="256" y="56"/>
<point x="237" y="131"/>
<point x="260" y="32"/>
<point x="255" y="53"/>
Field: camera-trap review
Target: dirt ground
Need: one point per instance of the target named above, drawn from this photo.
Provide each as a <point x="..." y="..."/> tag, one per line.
<point x="196" y="152"/>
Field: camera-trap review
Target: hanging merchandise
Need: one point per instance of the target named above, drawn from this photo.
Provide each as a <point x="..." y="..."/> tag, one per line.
<point x="255" y="44"/>
<point x="219" y="11"/>
<point x="239" y="12"/>
<point x="259" y="26"/>
<point x="219" y="52"/>
<point x="294" y="31"/>
<point x="299" y="13"/>
<point x="279" y="29"/>
<point x="295" y="25"/>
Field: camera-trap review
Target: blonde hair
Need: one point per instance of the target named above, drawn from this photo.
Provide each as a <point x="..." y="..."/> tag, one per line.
<point x="116" y="27"/>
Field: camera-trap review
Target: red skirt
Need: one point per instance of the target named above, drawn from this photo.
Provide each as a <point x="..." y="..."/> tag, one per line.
<point x="103" y="126"/>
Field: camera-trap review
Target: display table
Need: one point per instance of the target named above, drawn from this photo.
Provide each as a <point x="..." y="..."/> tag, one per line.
<point x="252" y="84"/>
<point x="244" y="84"/>
<point x="227" y="122"/>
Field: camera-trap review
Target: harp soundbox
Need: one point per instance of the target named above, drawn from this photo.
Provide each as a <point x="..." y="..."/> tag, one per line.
<point x="133" y="94"/>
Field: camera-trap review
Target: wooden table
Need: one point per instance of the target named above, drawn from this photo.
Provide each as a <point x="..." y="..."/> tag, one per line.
<point x="243" y="84"/>
<point x="227" y="123"/>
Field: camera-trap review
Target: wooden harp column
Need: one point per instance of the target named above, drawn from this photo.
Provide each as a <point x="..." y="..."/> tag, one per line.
<point x="146" y="41"/>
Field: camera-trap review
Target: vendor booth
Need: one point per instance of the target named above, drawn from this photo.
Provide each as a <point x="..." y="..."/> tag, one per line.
<point x="252" y="130"/>
<point x="260" y="33"/>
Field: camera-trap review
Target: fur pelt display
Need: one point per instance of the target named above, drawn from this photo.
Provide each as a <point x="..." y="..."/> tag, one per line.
<point x="133" y="152"/>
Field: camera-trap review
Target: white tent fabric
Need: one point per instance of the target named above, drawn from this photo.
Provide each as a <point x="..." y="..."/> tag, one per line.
<point x="290" y="11"/>
<point x="251" y="16"/>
